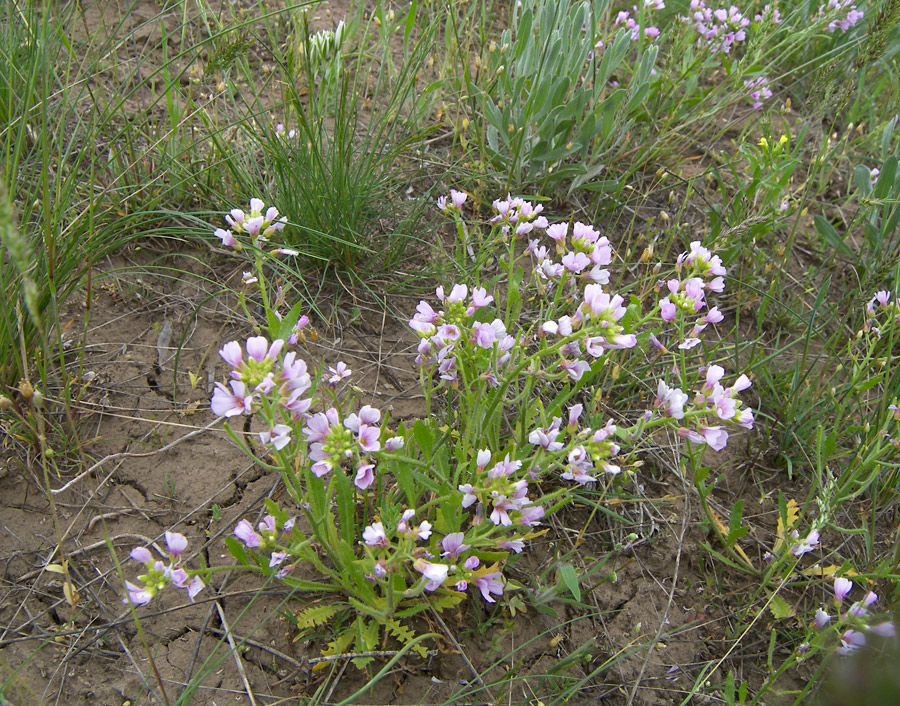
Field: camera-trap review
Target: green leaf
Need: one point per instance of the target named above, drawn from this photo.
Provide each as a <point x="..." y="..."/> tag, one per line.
<point x="236" y="549"/>
<point x="424" y="439"/>
<point x="886" y="178"/>
<point x="780" y="608"/>
<point x="862" y="177"/>
<point x="568" y="577"/>
<point x="313" y="616"/>
<point x="831" y="237"/>
<point x="284" y="327"/>
<point x="403" y="472"/>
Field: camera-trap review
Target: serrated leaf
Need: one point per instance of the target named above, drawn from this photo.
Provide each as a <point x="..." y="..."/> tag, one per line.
<point x="780" y="608"/>
<point x="314" y="616"/>
<point x="402" y="633"/>
<point x="336" y="647"/>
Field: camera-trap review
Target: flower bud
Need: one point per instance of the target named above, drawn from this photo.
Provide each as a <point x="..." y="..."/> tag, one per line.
<point x="26" y="390"/>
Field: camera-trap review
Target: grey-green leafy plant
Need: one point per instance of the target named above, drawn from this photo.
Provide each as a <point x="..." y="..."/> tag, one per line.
<point x="551" y="112"/>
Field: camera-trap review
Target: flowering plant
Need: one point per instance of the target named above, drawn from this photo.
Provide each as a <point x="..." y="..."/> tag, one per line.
<point x="396" y="521"/>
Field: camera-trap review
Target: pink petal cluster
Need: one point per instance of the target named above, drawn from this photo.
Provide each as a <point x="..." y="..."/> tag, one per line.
<point x="157" y="574"/>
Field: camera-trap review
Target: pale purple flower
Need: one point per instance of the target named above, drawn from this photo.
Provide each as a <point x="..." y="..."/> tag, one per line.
<point x="176" y="544"/>
<point x="842" y="587"/>
<point x="244" y="531"/>
<point x="375" y="536"/>
<point x="227" y="403"/>
<point x="395" y="443"/>
<point x="227" y="238"/>
<point x="365" y="476"/>
<point x="337" y="373"/>
<point x="435" y="574"/>
<point x="482" y="459"/>
<point x="142" y="555"/>
<point x="531" y="515"/>
<point x="516" y="545"/>
<point x="277" y="558"/>
<point x="850" y="641"/>
<point x="885" y="629"/>
<point x="469" y="497"/>
<point x="194" y="587"/>
<point x="137" y="595"/>
<point x="279" y="436"/>
<point x="453" y="545"/>
<point x="806" y="545"/>
<point x="490" y="583"/>
<point x="822" y="618"/>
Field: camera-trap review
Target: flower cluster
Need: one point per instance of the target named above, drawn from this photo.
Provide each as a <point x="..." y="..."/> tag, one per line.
<point x="712" y="406"/>
<point x="260" y="224"/>
<point x="685" y="297"/>
<point x="445" y="333"/>
<point x="627" y="20"/>
<point x="581" y="260"/>
<point x="501" y="491"/>
<point x="769" y="14"/>
<point x="457" y="199"/>
<point x="334" y="442"/>
<point x="587" y="451"/>
<point x="856" y="621"/>
<point x="518" y="215"/>
<point x="390" y="548"/>
<point x="284" y="380"/>
<point x="759" y="91"/>
<point x="263" y="542"/>
<point x="157" y="574"/>
<point x="840" y="14"/>
<point x="718" y="29"/>
<point x="881" y="312"/>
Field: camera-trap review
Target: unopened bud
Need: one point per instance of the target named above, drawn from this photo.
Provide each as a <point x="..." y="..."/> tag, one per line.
<point x="26" y="390"/>
<point x="477" y="62"/>
<point x="501" y="69"/>
<point x="504" y="49"/>
<point x="5" y="402"/>
<point x="647" y="254"/>
<point x="663" y="216"/>
<point x="38" y="399"/>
